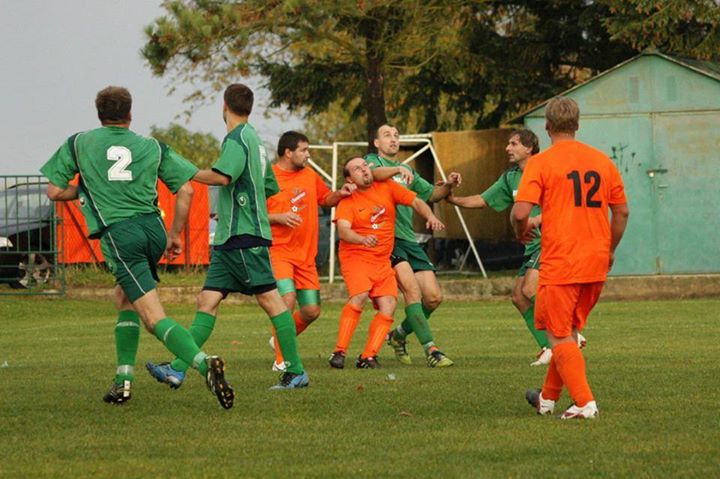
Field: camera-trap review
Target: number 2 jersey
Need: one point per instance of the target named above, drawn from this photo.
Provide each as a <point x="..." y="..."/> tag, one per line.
<point x="119" y="170"/>
<point x="574" y="184"/>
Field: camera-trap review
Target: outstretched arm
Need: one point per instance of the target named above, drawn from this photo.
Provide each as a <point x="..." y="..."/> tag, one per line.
<point x="211" y="177"/>
<point x="347" y="234"/>
<point x="334" y="198"/>
<point x="473" y="201"/>
<point x="183" y="199"/>
<point x="422" y="208"/>
<point x="56" y="193"/>
<point x="443" y="189"/>
<point x="383" y="173"/>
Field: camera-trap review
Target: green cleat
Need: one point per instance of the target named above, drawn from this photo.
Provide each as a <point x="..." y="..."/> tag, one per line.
<point x="400" y="348"/>
<point x="436" y="359"/>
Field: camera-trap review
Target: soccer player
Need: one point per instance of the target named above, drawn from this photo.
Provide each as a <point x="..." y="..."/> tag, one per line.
<point x="240" y="261"/>
<point x="414" y="271"/>
<point x="574" y="185"/>
<point x="293" y="214"/>
<point x="366" y="227"/>
<point x="500" y="196"/>
<point x="119" y="171"/>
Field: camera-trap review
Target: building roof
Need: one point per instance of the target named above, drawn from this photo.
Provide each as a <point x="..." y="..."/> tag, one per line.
<point x="710" y="69"/>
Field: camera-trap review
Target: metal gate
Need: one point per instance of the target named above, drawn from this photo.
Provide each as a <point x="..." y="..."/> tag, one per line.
<point x="29" y="227"/>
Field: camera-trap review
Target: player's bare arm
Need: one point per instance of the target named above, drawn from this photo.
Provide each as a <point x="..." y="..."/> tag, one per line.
<point x="443" y="189"/>
<point x="618" y="223"/>
<point x="431" y="221"/>
<point x="472" y="201"/>
<point x="183" y="199"/>
<point x="383" y="173"/>
<point x="289" y="219"/>
<point x="334" y="198"/>
<point x="211" y="177"/>
<point x="56" y="193"/>
<point x="347" y="234"/>
<point x="520" y="220"/>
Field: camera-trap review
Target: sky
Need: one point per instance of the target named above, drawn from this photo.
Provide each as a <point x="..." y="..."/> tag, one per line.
<point x="56" y="55"/>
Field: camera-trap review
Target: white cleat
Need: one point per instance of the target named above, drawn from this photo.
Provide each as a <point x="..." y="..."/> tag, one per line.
<point x="582" y="342"/>
<point x="279" y="367"/>
<point x="543" y="357"/>
<point x="542" y="406"/>
<point x="588" y="411"/>
<point x="271" y="342"/>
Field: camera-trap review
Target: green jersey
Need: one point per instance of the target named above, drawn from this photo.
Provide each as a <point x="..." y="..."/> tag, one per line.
<point x="242" y="205"/>
<point x="119" y="170"/>
<point x="501" y="196"/>
<point x="404" y="214"/>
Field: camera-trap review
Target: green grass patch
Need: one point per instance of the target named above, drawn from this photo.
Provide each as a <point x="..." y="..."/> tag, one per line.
<point x="651" y="365"/>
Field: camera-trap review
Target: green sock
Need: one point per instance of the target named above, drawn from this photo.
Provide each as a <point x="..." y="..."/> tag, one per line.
<point x="200" y="329"/>
<point x="127" y="338"/>
<point x="427" y="311"/>
<point x="406" y="327"/>
<point x="179" y="341"/>
<point x="419" y="324"/>
<point x="287" y="339"/>
<point x="529" y="317"/>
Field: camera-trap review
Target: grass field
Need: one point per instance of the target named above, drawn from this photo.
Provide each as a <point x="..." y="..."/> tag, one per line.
<point x="652" y="366"/>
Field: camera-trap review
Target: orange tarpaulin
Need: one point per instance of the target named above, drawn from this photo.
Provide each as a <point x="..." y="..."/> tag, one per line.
<point x="77" y="248"/>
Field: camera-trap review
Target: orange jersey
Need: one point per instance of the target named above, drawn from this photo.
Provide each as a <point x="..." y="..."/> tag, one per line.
<point x="574" y="184"/>
<point x="372" y="212"/>
<point x="300" y="192"/>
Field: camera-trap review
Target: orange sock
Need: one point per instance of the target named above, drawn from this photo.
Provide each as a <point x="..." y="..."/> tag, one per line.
<point x="349" y="319"/>
<point x="570" y="365"/>
<point x="553" y="382"/>
<point x="300" y="325"/>
<point x="379" y="328"/>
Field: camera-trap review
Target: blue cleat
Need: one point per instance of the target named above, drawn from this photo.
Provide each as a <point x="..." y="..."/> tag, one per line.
<point x="164" y="373"/>
<point x="292" y="381"/>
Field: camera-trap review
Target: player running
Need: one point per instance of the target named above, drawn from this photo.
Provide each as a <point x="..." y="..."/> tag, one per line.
<point x="574" y="185"/>
<point x="293" y="214"/>
<point x="119" y="171"/>
<point x="366" y="227"/>
<point x="240" y="261"/>
<point x="500" y="196"/>
<point x="414" y="271"/>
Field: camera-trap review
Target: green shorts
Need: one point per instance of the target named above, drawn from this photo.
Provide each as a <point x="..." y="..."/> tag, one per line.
<point x="247" y="271"/>
<point x="413" y="253"/>
<point x="132" y="249"/>
<point x="530" y="262"/>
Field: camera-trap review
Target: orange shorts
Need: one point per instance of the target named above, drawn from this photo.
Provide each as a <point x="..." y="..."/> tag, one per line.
<point x="361" y="276"/>
<point x="561" y="307"/>
<point x="305" y="276"/>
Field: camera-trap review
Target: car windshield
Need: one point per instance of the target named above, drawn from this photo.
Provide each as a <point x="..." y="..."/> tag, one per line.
<point x="26" y="202"/>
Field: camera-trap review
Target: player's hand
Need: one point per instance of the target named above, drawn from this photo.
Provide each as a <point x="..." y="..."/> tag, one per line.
<point x="528" y="235"/>
<point x="434" y="224"/>
<point x="405" y="174"/>
<point x="173" y="248"/>
<point x="453" y="180"/>
<point x="347" y="189"/>
<point x="290" y="219"/>
<point x="370" y="241"/>
<point x="535" y="221"/>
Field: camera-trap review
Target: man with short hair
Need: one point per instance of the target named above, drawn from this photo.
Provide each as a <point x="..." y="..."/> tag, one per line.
<point x="575" y="185"/>
<point x="240" y="260"/>
<point x="500" y="196"/>
<point x="366" y="227"/>
<point x="119" y="171"/>
<point x="414" y="271"/>
<point x="293" y="214"/>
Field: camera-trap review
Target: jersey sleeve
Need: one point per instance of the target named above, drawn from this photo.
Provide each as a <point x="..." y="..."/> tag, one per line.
<point x="617" y="189"/>
<point x="420" y="185"/>
<point x="272" y="187"/>
<point x="232" y="161"/>
<point x="321" y="189"/>
<point x="62" y="167"/>
<point x="373" y="160"/>
<point x="499" y="195"/>
<point x="531" y="183"/>
<point x="174" y="169"/>
<point x="400" y="194"/>
<point x="344" y="210"/>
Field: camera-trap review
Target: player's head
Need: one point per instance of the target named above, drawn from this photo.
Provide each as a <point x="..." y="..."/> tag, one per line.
<point x="562" y="116"/>
<point x="357" y="171"/>
<point x="387" y="140"/>
<point x="113" y="105"/>
<point x="522" y="144"/>
<point x="294" y="149"/>
<point x="238" y="100"/>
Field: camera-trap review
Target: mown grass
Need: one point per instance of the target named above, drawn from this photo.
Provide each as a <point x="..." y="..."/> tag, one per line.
<point x="652" y="366"/>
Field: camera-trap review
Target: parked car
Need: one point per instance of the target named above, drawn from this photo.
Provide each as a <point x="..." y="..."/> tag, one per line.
<point x="26" y="235"/>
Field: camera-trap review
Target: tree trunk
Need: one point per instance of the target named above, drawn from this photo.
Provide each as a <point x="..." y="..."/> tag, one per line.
<point x="374" y="97"/>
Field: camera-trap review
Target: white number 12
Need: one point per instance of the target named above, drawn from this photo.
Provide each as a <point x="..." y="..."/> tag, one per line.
<point x="122" y="158"/>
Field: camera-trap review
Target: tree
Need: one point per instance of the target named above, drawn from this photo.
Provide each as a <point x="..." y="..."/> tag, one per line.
<point x="202" y="149"/>
<point x="681" y="27"/>
<point x="313" y="52"/>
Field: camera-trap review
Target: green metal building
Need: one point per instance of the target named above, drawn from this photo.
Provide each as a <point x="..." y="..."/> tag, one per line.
<point x="658" y="118"/>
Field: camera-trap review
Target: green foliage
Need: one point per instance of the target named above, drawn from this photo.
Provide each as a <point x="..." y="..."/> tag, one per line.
<point x="651" y="365"/>
<point x="688" y="28"/>
<point x="202" y="149"/>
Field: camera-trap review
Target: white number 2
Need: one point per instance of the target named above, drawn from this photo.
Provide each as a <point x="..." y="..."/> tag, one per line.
<point x="122" y="158"/>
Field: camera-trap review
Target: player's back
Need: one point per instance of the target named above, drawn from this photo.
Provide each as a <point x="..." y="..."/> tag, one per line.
<point x="578" y="185"/>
